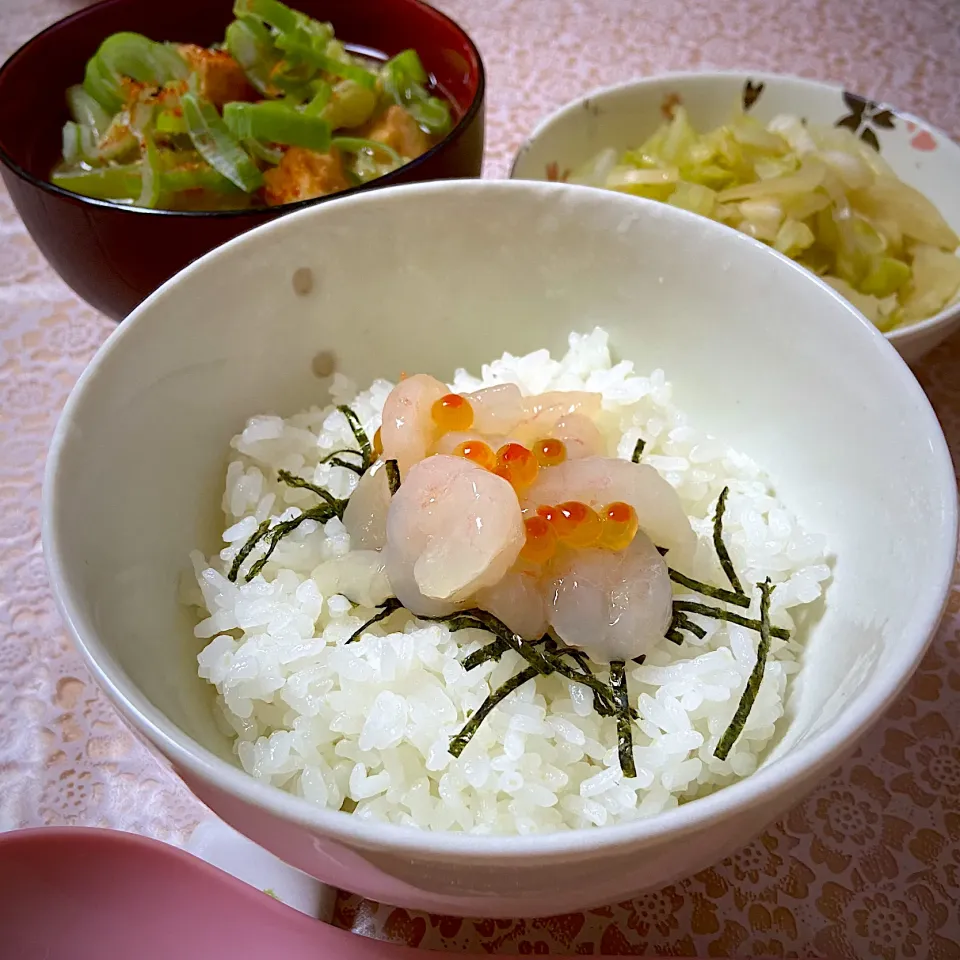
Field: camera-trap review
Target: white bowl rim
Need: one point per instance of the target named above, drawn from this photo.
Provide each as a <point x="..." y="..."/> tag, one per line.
<point x="802" y="763"/>
<point x="900" y="334"/>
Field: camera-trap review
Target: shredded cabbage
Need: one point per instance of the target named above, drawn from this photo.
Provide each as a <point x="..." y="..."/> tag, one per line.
<point x="817" y="194"/>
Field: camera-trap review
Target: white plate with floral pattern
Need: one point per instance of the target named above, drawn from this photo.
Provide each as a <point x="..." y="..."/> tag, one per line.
<point x="623" y="116"/>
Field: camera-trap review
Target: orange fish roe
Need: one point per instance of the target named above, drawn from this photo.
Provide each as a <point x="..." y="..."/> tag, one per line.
<point x="541" y="542"/>
<point x="619" y="525"/>
<point x="517" y="465"/>
<point x="549" y="452"/>
<point x="581" y="525"/>
<point x="378" y="443"/>
<point x="452" y="412"/>
<point x="479" y="452"/>
<point x="560" y="523"/>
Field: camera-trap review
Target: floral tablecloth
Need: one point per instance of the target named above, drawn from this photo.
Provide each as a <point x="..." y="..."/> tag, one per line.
<point x="868" y="866"/>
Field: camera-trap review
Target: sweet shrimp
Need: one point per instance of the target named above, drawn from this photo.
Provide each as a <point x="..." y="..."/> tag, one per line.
<point x="453" y="528"/>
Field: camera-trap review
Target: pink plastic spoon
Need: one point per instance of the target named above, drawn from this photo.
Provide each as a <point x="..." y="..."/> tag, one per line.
<point x="88" y="894"/>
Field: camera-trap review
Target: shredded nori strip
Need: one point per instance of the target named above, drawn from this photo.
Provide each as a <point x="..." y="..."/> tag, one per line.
<point x="674" y="636"/>
<point x="492" y="651"/>
<point x="640" y="660"/>
<point x="338" y="453"/>
<point x="749" y="696"/>
<point x="292" y="480"/>
<point x="638" y="450"/>
<point x="330" y="508"/>
<point x="390" y="605"/>
<point x="476" y="619"/>
<point x="688" y="606"/>
<point x="725" y="562"/>
<point x="321" y="514"/>
<point x="393" y="475"/>
<point x="621" y="698"/>
<point x="602" y="696"/>
<point x="473" y="724"/>
<point x="544" y="664"/>
<point x="340" y="462"/>
<point x="578" y="656"/>
<point x="682" y="622"/>
<point x="246" y="550"/>
<point x="715" y="593"/>
<point x="360" y="435"/>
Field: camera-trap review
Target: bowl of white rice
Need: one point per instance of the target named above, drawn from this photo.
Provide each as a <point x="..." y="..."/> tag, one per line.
<point x="411" y="736"/>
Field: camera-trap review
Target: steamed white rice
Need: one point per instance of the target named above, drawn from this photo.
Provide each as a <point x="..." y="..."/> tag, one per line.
<point x="365" y="727"/>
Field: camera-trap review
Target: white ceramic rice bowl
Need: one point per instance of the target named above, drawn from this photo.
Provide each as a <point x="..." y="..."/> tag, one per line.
<point x="622" y="116"/>
<point x="436" y="276"/>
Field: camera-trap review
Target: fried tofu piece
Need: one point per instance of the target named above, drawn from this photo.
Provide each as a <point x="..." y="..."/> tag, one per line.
<point x="397" y="129"/>
<point x="222" y="79"/>
<point x="304" y="174"/>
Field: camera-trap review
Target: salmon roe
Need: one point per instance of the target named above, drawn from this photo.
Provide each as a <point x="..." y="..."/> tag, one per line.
<point x="549" y="452"/>
<point x="554" y="517"/>
<point x="452" y="413"/>
<point x="541" y="542"/>
<point x="378" y="443"/>
<point x="581" y="525"/>
<point x="517" y="465"/>
<point x="478" y="452"/>
<point x="619" y="525"/>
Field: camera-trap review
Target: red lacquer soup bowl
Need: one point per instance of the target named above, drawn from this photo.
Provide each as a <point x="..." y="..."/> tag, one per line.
<point x="114" y="256"/>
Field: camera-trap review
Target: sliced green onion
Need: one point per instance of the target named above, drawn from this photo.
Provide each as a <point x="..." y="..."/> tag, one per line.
<point x="135" y="56"/>
<point x="356" y="144"/>
<point x="403" y="78"/>
<point x="350" y="105"/>
<point x="217" y="145"/>
<point x="106" y="183"/>
<point x="85" y="109"/>
<point x="193" y="177"/>
<point x="149" y="174"/>
<point x="117" y="143"/>
<point x="89" y="145"/>
<point x="125" y="182"/>
<point x="71" y="142"/>
<point x="277" y="123"/>
<point x="103" y="87"/>
<point x="142" y="116"/>
<point x="322" y="92"/>
<point x="277" y="14"/>
<point x="303" y="49"/>
<point x="408" y="65"/>
<point x="262" y="151"/>
<point x="130" y="55"/>
<point x="283" y="19"/>
<point x="168" y="122"/>
<point x="251" y="45"/>
<point x="431" y="113"/>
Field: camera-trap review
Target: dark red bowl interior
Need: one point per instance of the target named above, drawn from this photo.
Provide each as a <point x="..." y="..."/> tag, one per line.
<point x="115" y="256"/>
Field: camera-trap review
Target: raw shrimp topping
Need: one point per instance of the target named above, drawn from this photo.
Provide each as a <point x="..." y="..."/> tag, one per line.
<point x="452" y="412"/>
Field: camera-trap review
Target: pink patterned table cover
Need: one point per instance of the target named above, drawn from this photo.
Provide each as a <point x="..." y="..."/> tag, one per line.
<point x="869" y="866"/>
